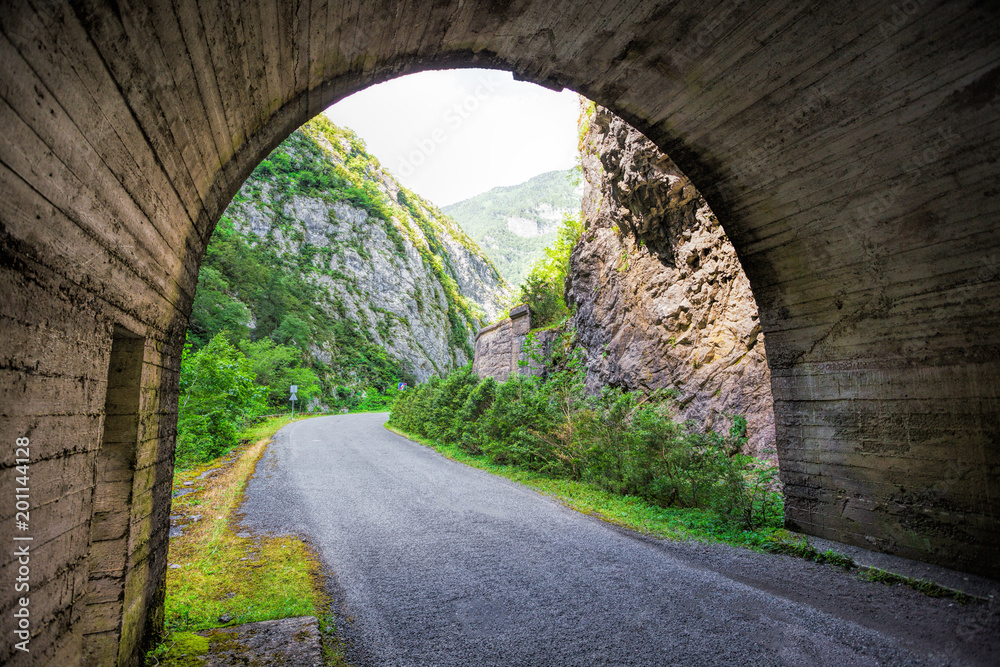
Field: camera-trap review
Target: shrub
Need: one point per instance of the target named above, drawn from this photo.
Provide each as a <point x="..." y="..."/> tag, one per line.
<point x="451" y="394"/>
<point x="624" y="442"/>
<point x="468" y="433"/>
<point x="511" y="427"/>
<point x="219" y="396"/>
<point x="747" y="493"/>
<point x="544" y="285"/>
<point x="277" y="368"/>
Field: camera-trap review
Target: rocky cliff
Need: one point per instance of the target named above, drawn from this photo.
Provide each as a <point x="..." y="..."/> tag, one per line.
<point x="659" y="295"/>
<point x="383" y="265"/>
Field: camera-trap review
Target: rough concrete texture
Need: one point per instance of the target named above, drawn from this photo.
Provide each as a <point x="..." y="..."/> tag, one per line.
<point x="849" y="150"/>
<point x="289" y="641"/>
<point x="660" y="298"/>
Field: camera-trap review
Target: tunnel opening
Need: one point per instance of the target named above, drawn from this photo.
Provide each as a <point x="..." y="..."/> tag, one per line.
<point x="284" y="164"/>
<point x="300" y="210"/>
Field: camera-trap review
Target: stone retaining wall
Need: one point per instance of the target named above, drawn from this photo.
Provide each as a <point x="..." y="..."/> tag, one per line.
<point x="499" y="347"/>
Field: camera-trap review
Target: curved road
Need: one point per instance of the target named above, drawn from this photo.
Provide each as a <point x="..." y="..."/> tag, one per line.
<point x="437" y="563"/>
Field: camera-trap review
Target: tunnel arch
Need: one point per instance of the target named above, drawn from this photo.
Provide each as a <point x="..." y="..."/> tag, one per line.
<point x="850" y="150"/>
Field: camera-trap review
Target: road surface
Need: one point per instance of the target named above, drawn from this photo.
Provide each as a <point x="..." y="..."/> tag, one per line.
<point x="436" y="563"/>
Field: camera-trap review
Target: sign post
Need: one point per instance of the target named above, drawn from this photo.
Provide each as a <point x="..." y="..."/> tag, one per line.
<point x="292" y="398"/>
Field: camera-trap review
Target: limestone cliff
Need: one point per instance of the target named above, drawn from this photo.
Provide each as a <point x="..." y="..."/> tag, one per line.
<point x="374" y="254"/>
<point x="659" y="295"/>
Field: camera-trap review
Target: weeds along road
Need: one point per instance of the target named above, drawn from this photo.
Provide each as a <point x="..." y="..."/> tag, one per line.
<point x="437" y="563"/>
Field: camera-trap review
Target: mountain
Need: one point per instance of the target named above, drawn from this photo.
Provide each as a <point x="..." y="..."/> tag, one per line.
<point x="513" y="225"/>
<point x="323" y="250"/>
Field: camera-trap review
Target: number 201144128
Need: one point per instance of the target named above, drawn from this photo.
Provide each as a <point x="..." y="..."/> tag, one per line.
<point x="22" y="454"/>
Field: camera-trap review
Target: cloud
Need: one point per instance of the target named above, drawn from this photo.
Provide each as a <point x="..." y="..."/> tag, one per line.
<point x="451" y="134"/>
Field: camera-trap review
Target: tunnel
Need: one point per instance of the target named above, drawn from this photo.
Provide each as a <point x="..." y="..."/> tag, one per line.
<point x="849" y="149"/>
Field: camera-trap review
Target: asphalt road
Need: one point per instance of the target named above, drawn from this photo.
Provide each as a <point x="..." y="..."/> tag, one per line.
<point x="436" y="563"/>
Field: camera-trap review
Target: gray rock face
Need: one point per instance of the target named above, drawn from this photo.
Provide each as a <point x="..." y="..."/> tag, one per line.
<point x="380" y="273"/>
<point x="661" y="299"/>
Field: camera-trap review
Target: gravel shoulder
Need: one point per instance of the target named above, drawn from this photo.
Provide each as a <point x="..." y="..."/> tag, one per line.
<point x="437" y="563"/>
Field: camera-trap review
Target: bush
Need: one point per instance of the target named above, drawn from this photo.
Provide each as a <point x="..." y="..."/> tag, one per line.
<point x="513" y="425"/>
<point x="468" y="434"/>
<point x="410" y="409"/>
<point x="545" y="283"/>
<point x="449" y="396"/>
<point x="747" y="493"/>
<point x="219" y="397"/>
<point x="624" y="442"/>
<point x="277" y="368"/>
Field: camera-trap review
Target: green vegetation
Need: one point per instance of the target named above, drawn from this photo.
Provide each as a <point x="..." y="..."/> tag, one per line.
<point x="219" y="398"/>
<point x="631" y="512"/>
<point x="221" y="575"/>
<point x="617" y="456"/>
<point x="544" y="287"/>
<point x="265" y="316"/>
<point x="353" y="400"/>
<point x="485" y="218"/>
<point x="621" y="443"/>
<point x="212" y="580"/>
<point x="277" y="367"/>
<point x="928" y="588"/>
<point x="587" y="112"/>
<point x="180" y="649"/>
<point x="243" y="281"/>
<point x="225" y="389"/>
<point x="784" y="542"/>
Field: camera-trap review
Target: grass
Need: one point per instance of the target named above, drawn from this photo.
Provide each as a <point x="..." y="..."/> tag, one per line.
<point x="790" y="544"/>
<point x="676" y="523"/>
<point x="547" y="327"/>
<point x="680" y="523"/>
<point x="928" y="588"/>
<point x="217" y="578"/>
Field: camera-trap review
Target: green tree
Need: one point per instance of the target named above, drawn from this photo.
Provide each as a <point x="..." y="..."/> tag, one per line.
<point x="219" y="396"/>
<point x="214" y="310"/>
<point x="292" y="330"/>
<point x="543" y="289"/>
<point x="277" y="367"/>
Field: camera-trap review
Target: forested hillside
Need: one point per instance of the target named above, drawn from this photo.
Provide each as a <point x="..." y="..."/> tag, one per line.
<point x="513" y="225"/>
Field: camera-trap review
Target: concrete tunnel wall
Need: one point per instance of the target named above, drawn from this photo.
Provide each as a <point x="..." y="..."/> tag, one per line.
<point x="849" y="149"/>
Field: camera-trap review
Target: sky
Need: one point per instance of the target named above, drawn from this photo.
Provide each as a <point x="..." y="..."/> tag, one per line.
<point x="451" y="134"/>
